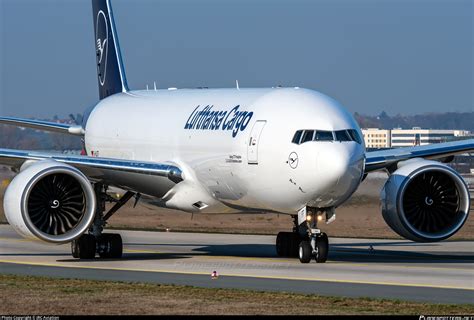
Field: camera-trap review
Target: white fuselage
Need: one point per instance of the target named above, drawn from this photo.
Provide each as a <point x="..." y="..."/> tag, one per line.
<point x="234" y="158"/>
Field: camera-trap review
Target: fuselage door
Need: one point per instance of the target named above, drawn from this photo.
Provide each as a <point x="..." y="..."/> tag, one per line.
<point x="252" y="145"/>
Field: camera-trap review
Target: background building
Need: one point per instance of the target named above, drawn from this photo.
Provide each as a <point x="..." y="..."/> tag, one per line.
<point x="380" y="138"/>
<point x="376" y="138"/>
<point x="420" y="137"/>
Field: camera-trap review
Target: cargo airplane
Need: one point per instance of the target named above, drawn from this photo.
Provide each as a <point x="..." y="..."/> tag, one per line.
<point x="291" y="151"/>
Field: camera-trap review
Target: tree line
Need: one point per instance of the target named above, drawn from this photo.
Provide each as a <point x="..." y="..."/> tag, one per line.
<point x="442" y="121"/>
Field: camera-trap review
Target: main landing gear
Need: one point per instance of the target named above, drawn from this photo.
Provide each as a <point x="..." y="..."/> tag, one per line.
<point x="106" y="245"/>
<point x="306" y="241"/>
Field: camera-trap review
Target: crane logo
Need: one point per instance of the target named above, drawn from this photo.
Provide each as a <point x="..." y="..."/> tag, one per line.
<point x="102" y="44"/>
<point x="293" y="160"/>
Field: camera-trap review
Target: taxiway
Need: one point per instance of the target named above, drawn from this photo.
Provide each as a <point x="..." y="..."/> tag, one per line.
<point x="396" y="269"/>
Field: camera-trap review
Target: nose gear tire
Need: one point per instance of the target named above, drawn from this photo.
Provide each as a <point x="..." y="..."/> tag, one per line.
<point x="305" y="252"/>
<point x="322" y="245"/>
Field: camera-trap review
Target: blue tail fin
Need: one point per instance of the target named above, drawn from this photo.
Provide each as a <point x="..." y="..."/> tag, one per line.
<point x="110" y="71"/>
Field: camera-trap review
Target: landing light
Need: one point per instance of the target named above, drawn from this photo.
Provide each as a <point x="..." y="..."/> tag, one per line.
<point x="320" y="218"/>
<point x="308" y="218"/>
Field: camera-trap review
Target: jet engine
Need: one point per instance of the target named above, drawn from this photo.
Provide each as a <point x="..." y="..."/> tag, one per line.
<point x="425" y="201"/>
<point x="50" y="201"/>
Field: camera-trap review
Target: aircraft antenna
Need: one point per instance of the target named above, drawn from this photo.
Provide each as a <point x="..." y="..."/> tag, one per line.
<point x="154" y="85"/>
<point x="237" y="84"/>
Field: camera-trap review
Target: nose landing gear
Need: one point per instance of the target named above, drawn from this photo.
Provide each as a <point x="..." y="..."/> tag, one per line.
<point x="306" y="241"/>
<point x="317" y="248"/>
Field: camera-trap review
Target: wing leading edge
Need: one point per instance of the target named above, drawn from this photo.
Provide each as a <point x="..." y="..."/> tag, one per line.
<point x="43" y="125"/>
<point x="150" y="178"/>
<point x="378" y="160"/>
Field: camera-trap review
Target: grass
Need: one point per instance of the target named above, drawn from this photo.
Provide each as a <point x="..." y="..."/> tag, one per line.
<point x="41" y="295"/>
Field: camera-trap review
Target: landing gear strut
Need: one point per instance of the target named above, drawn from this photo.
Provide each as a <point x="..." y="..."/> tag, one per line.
<point x="107" y="245"/>
<point x="306" y="241"/>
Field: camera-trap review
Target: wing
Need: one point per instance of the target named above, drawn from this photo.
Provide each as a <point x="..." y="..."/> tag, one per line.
<point x="43" y="125"/>
<point x="150" y="178"/>
<point x="387" y="159"/>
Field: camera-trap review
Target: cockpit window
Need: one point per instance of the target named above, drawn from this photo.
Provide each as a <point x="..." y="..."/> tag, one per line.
<point x="302" y="136"/>
<point x="343" y="135"/>
<point x="307" y="136"/>
<point x="355" y="135"/>
<point x="297" y="137"/>
<point x="323" y="136"/>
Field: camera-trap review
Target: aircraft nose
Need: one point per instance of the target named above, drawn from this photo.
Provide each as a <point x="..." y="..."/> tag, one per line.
<point x="337" y="162"/>
<point x="340" y="163"/>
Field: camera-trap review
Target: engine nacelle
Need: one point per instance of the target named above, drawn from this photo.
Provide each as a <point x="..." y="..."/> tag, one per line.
<point x="50" y="201"/>
<point x="425" y="201"/>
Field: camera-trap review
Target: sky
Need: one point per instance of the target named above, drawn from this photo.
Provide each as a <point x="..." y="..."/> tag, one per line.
<point x="398" y="56"/>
